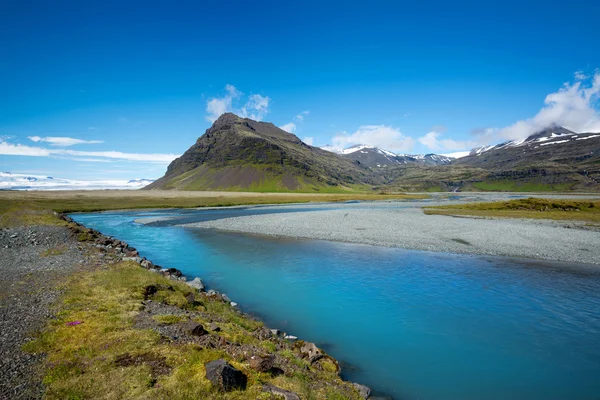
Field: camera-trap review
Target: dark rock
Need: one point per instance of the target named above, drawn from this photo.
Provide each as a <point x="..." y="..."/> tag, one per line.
<point x="214" y="327"/>
<point x="196" y="329"/>
<point x="287" y="395"/>
<point x="262" y="363"/>
<point x="191" y="299"/>
<point x="363" y="391"/>
<point x="224" y="376"/>
<point x="175" y="272"/>
<point x="133" y="253"/>
<point x="150" y="290"/>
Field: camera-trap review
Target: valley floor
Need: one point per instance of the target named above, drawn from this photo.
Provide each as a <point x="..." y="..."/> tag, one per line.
<point x="405" y="225"/>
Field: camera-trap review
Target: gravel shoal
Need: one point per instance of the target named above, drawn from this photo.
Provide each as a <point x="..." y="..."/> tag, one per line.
<point x="33" y="260"/>
<point x="409" y="228"/>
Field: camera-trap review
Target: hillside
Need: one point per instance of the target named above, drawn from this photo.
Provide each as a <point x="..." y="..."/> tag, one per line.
<point x="242" y="154"/>
<point x="379" y="159"/>
<point x="554" y="159"/>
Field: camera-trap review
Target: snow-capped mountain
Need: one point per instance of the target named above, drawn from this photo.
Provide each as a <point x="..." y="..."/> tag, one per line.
<point x="374" y="157"/>
<point x="10" y="181"/>
<point x="546" y="137"/>
<point x="552" y="145"/>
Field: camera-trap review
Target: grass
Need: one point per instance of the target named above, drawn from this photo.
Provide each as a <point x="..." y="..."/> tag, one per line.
<point x="89" y="360"/>
<point x="575" y="210"/>
<point x="54" y="251"/>
<point x="507" y="185"/>
<point x="37" y="204"/>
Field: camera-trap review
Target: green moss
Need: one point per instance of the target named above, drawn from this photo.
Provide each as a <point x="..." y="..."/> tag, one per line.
<point x="580" y="210"/>
<point x="54" y="251"/>
<point x="518" y="186"/>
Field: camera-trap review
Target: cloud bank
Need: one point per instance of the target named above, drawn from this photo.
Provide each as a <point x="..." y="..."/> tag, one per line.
<point x="383" y="136"/>
<point x="62" y="141"/>
<point x="255" y="107"/>
<point x="32" y="151"/>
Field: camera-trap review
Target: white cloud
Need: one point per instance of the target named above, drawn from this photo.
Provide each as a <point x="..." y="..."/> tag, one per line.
<point x="217" y="106"/>
<point x="385" y="137"/>
<point x="433" y="142"/>
<point x="22" y="150"/>
<point x="572" y="106"/>
<point x="256" y="107"/>
<point x="289" y="127"/>
<point x="309" y="140"/>
<point x="298" y="119"/>
<point x="62" y="141"/>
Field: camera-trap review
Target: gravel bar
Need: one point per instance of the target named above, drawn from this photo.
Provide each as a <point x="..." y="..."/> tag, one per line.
<point x="404" y="225"/>
<point x="29" y="280"/>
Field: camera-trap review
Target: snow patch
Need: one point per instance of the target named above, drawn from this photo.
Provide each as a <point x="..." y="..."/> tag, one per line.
<point x="35" y="182"/>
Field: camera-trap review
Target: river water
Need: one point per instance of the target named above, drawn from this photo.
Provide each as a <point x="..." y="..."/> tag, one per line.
<point x="409" y="324"/>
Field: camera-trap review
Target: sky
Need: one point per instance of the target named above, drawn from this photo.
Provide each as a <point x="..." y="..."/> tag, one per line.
<point x="107" y="89"/>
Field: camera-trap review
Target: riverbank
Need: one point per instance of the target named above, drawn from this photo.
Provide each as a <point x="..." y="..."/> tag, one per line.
<point x="102" y="200"/>
<point x="114" y="324"/>
<point x="406" y="226"/>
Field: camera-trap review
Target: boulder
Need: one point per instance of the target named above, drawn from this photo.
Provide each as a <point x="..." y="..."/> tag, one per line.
<point x="147" y="264"/>
<point x="175" y="271"/>
<point x="225" y="298"/>
<point x="363" y="391"/>
<point x="133" y="253"/>
<point x="262" y="363"/>
<point x="290" y="337"/>
<point x="150" y="290"/>
<point x="134" y="259"/>
<point x="214" y="327"/>
<point x="196" y="329"/>
<point x="311" y="351"/>
<point x="287" y="395"/>
<point x="197" y="284"/>
<point x="224" y="376"/>
<point x="191" y="299"/>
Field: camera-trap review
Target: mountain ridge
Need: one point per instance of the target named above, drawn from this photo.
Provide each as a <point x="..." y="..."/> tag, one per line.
<point x="244" y="155"/>
<point x="241" y="154"/>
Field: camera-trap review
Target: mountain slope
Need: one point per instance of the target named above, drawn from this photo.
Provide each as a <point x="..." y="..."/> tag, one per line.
<point x="242" y="154"/>
<point x="377" y="159"/>
<point x="552" y="159"/>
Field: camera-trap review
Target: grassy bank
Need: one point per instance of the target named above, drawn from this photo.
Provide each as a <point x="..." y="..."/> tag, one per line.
<point x="107" y="356"/>
<point x="100" y="200"/>
<point x="575" y="210"/>
<point x="112" y="336"/>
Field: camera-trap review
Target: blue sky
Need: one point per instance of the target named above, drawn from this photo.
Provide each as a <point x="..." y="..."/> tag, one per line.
<point x="146" y="78"/>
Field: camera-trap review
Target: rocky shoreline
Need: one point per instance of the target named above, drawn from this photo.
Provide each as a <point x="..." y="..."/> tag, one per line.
<point x="221" y="373"/>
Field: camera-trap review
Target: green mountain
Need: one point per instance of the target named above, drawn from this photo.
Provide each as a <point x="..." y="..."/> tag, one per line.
<point x="242" y="154"/>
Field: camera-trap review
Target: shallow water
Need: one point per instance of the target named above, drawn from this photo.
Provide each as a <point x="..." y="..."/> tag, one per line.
<point x="410" y="324"/>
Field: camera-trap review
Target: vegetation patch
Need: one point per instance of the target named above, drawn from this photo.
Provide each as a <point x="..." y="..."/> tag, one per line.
<point x="54" y="251"/>
<point x="95" y="349"/>
<point x="35" y="208"/>
<point x="578" y="210"/>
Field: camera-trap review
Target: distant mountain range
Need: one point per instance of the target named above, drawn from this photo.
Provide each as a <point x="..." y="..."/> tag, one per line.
<point x="242" y="154"/>
<point x="374" y="157"/>
<point x="36" y="182"/>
